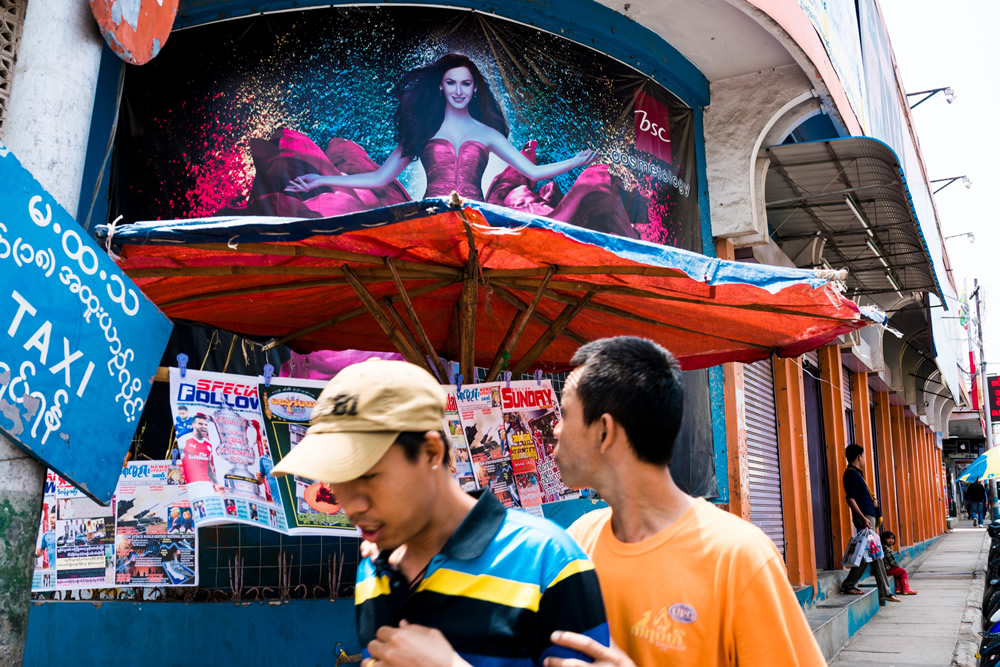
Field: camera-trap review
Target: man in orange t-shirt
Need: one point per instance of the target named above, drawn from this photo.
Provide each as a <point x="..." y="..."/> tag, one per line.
<point x="683" y="582"/>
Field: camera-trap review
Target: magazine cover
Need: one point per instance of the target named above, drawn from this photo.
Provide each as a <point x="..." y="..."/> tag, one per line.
<point x="481" y="414"/>
<point x="461" y="458"/>
<point x="222" y="449"/>
<point x="44" y="576"/>
<point x="155" y="534"/>
<point x="531" y="413"/>
<point x="84" y="539"/>
<point x="310" y="507"/>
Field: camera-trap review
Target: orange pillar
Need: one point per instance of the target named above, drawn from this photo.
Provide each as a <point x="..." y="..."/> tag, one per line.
<point x="736" y="420"/>
<point x="736" y="440"/>
<point x="835" y="426"/>
<point x="935" y="464"/>
<point x="887" y="477"/>
<point x="860" y="404"/>
<point x="925" y="482"/>
<point x="929" y="485"/>
<point x="917" y="518"/>
<point x="900" y="462"/>
<point x="796" y="497"/>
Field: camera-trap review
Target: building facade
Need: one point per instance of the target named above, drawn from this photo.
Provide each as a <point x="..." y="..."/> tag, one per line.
<point x="800" y="151"/>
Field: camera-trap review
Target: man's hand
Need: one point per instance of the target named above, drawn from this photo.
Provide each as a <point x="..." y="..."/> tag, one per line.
<point x="371" y="551"/>
<point x="412" y="644"/>
<point x="604" y="656"/>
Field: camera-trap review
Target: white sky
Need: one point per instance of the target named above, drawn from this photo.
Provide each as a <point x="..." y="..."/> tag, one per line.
<point x="957" y="44"/>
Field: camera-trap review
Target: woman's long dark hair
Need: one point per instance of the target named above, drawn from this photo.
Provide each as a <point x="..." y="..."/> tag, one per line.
<point x="420" y="111"/>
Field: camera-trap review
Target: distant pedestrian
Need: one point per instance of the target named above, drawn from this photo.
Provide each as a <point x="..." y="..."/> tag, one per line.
<point x="975" y="496"/>
<point x="892" y="567"/>
<point x="864" y="513"/>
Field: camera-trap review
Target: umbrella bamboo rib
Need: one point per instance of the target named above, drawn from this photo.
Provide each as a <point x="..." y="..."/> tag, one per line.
<point x="351" y="314"/>
<point x="522" y="323"/>
<point x="513" y="300"/>
<point x="412" y="312"/>
<point x="282" y="270"/>
<point x="246" y="291"/>
<point x="611" y="310"/>
<point x="580" y="286"/>
<point x="393" y="332"/>
<point x="564" y="318"/>
<point x="324" y="253"/>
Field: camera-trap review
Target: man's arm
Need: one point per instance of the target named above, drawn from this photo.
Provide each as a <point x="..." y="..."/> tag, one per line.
<point x="571" y="602"/>
<point x="768" y="608"/>
<point x="857" y="512"/>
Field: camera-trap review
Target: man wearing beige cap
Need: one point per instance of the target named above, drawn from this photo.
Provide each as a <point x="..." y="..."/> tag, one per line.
<point x="477" y="583"/>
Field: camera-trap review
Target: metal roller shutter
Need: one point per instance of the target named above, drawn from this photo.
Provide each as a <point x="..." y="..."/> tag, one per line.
<point x="845" y="390"/>
<point x="762" y="452"/>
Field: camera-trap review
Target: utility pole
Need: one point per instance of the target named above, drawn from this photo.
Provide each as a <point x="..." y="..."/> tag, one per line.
<point x="990" y="442"/>
<point x="46" y="127"/>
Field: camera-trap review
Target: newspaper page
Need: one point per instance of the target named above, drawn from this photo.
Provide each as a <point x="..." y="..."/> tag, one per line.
<point x="44" y="576"/>
<point x="461" y="458"/>
<point x="155" y="534"/>
<point x="84" y="540"/>
<point x="310" y="507"/>
<point x="482" y="420"/>
<point x="530" y="414"/>
<point x="222" y="449"/>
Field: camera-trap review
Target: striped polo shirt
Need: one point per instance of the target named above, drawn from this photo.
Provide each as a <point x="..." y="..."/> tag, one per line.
<point x="501" y="585"/>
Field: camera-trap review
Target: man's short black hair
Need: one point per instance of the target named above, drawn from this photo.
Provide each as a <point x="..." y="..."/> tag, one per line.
<point x="412" y="441"/>
<point x="853" y="451"/>
<point x="638" y="383"/>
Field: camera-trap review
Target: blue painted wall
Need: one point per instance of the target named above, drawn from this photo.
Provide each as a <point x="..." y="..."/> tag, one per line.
<point x="299" y="632"/>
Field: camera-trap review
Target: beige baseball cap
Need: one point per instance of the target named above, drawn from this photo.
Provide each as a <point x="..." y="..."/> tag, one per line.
<point x="359" y="415"/>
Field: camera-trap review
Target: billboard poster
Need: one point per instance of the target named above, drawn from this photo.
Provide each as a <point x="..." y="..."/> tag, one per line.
<point x="84" y="538"/>
<point x="309" y="505"/>
<point x="155" y="534"/>
<point x="82" y="341"/>
<point x="356" y="108"/>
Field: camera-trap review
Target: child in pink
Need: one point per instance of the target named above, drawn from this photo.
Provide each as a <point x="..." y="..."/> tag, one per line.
<point x="892" y="568"/>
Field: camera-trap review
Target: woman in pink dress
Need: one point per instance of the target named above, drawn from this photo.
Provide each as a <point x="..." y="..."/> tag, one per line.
<point x="448" y="118"/>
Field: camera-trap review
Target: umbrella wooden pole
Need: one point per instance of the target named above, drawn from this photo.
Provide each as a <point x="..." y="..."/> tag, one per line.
<point x="412" y="312"/>
<point x="467" y="310"/>
<point x="522" y="322"/>
<point x="388" y="327"/>
<point x="568" y="313"/>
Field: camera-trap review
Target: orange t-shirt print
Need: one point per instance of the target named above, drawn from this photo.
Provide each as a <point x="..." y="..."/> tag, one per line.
<point x="708" y="588"/>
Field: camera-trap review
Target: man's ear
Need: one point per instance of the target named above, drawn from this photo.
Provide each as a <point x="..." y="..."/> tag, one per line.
<point x="434" y="448"/>
<point x="610" y="431"/>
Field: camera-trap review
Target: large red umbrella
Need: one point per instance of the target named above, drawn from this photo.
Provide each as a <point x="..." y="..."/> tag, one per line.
<point x="475" y="283"/>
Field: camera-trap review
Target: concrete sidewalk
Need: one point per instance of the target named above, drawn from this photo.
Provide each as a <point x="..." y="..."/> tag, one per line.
<point x="937" y="626"/>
